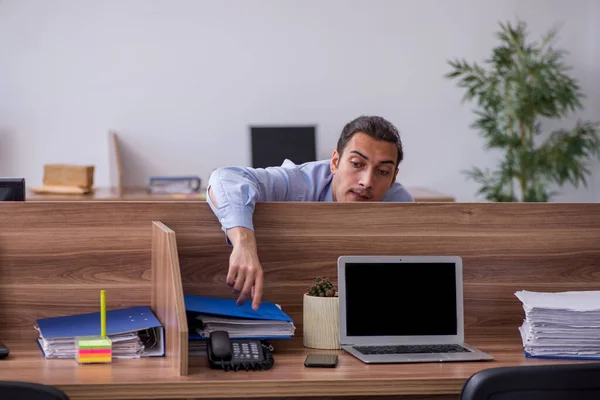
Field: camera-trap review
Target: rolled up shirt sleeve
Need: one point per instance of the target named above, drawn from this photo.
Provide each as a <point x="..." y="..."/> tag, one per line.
<point x="238" y="189"/>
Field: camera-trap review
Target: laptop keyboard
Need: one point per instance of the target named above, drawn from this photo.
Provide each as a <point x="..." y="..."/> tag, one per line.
<point x="412" y="349"/>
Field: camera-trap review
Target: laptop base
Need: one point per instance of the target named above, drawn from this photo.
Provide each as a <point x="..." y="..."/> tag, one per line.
<point x="472" y="355"/>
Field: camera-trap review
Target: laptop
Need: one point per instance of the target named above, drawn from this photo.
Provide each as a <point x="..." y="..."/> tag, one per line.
<point x="396" y="309"/>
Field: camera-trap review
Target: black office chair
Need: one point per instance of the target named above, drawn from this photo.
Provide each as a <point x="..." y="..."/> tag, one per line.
<point x="540" y="382"/>
<point x="11" y="390"/>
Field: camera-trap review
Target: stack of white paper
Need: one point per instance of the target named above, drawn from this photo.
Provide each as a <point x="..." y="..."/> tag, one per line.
<point x="197" y="347"/>
<point x="564" y="324"/>
<point x="244" y="328"/>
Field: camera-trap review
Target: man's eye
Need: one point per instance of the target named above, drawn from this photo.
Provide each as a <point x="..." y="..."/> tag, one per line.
<point x="355" y="164"/>
<point x="383" y="172"/>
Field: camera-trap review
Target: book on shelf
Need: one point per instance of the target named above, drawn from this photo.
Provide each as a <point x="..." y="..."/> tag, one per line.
<point x="174" y="184"/>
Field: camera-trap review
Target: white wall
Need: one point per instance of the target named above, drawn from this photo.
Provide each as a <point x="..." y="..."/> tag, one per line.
<point x="181" y="80"/>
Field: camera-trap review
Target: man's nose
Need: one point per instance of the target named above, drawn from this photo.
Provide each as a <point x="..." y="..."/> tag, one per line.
<point x="366" y="179"/>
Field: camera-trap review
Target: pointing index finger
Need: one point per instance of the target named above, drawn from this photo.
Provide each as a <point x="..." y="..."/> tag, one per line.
<point x="258" y="290"/>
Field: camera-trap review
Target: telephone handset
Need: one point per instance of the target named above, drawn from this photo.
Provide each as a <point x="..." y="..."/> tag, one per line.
<point x="234" y="354"/>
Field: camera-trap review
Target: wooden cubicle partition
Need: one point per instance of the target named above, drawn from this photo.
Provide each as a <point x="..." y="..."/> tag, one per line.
<point x="54" y="257"/>
<point x="54" y="261"/>
<point x="505" y="248"/>
<point x="46" y="248"/>
<point x="167" y="295"/>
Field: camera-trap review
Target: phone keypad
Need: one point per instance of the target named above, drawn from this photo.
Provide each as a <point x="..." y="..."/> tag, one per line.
<point x="247" y="351"/>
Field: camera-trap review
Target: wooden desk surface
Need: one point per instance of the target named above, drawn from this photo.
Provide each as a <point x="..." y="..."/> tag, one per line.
<point x="153" y="379"/>
<point x="140" y="194"/>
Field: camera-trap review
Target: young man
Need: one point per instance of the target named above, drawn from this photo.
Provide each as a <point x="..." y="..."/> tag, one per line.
<point x="362" y="168"/>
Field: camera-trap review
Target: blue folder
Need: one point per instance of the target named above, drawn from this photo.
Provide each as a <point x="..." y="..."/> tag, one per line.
<point x="123" y="320"/>
<point x="562" y="357"/>
<point x="119" y="321"/>
<point x="228" y="308"/>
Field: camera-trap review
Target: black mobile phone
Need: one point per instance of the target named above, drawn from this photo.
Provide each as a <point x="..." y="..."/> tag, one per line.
<point x="3" y="351"/>
<point x="321" y="360"/>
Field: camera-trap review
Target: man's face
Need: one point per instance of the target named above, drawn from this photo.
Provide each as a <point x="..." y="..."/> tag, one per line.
<point x="365" y="170"/>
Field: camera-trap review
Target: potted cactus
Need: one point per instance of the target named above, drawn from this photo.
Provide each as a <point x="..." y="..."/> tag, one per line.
<point x="321" y="316"/>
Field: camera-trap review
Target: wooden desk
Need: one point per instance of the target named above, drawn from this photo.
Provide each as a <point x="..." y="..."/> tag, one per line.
<point x="424" y="195"/>
<point x="54" y="256"/>
<point x="152" y="379"/>
<point x="140" y="194"/>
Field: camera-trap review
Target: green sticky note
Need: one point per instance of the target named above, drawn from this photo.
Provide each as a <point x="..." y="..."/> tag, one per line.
<point x="93" y="342"/>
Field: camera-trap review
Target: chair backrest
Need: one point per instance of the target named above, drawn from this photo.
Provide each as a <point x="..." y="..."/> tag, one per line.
<point x="579" y="381"/>
<point x="30" y="391"/>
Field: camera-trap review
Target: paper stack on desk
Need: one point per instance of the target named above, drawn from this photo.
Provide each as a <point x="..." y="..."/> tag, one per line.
<point x="561" y="325"/>
<point x="244" y="328"/>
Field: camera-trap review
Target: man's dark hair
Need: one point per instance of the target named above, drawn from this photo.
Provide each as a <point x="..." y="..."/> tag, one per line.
<point x="376" y="127"/>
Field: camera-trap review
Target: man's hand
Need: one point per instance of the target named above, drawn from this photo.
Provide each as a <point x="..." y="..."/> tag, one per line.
<point x="245" y="272"/>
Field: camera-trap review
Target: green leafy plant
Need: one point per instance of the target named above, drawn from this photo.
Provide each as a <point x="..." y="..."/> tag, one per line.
<point x="322" y="288"/>
<point x="525" y="82"/>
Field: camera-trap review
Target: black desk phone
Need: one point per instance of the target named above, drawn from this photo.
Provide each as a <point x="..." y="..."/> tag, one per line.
<point x="235" y="354"/>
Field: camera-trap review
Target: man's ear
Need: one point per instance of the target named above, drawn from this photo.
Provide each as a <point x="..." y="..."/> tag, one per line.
<point x="335" y="160"/>
<point x="394" y="179"/>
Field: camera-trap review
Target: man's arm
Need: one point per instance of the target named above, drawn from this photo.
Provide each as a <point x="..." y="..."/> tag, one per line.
<point x="245" y="272"/>
<point x="233" y="193"/>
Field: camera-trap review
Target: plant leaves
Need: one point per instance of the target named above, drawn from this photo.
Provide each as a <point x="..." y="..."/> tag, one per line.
<point x="521" y="83"/>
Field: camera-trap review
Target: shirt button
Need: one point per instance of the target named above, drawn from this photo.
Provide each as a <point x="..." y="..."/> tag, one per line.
<point x="222" y="219"/>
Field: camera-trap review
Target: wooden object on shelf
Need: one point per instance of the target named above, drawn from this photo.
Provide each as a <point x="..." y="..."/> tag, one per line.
<point x="425" y="195"/>
<point x="66" y="180"/>
<point x="69" y="175"/>
<point x="115" y="164"/>
<point x="61" y="190"/>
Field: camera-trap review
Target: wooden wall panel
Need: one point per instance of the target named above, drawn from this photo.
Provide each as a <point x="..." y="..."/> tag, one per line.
<point x="22" y="305"/>
<point x="505" y="248"/>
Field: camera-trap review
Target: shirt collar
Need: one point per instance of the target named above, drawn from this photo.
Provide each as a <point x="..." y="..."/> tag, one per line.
<point x="328" y="193"/>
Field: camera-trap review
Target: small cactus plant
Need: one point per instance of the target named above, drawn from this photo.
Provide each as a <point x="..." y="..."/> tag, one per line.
<point x="322" y="288"/>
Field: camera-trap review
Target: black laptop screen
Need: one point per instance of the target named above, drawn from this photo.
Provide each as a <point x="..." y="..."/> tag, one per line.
<point x="400" y="299"/>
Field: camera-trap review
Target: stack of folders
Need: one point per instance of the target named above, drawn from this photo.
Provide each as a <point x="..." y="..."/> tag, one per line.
<point x="135" y="332"/>
<point x="174" y="184"/>
<point x="561" y="325"/>
<point x="209" y="314"/>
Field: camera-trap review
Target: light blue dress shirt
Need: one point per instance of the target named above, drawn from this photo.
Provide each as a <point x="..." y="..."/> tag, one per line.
<point x="238" y="189"/>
